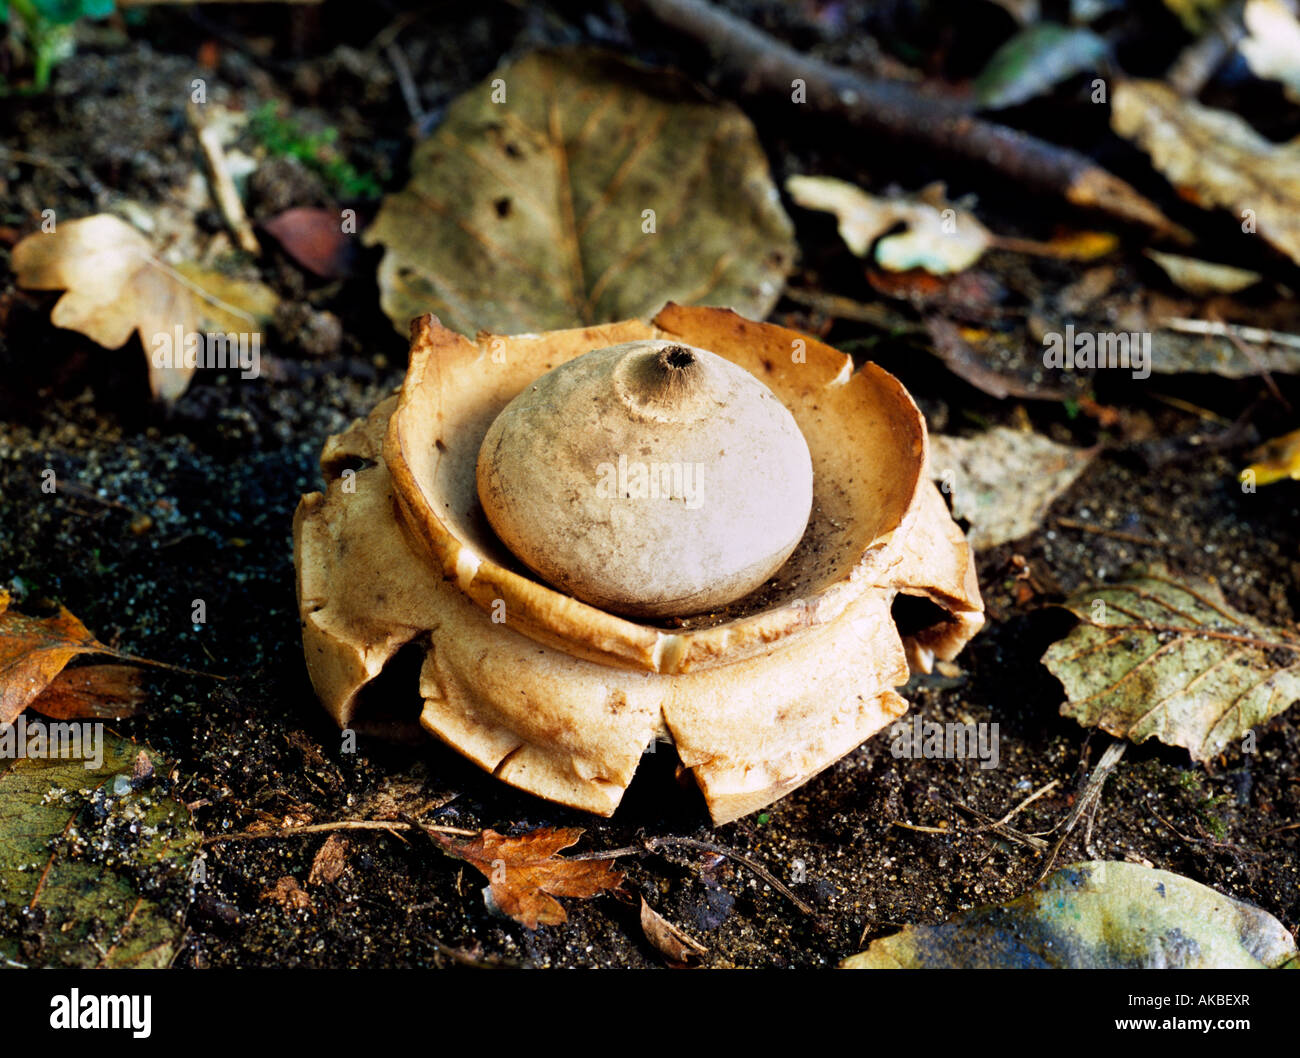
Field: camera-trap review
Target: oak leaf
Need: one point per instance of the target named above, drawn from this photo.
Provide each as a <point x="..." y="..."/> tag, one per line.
<point x="525" y="874"/>
<point x="115" y="285"/>
<point x="1154" y="656"/>
<point x="33" y="651"/>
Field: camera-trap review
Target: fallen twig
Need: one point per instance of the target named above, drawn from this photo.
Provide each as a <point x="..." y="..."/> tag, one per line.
<point x="1087" y="802"/>
<point x="392" y="826"/>
<point x="764" y="64"/>
<point x="223" y="187"/>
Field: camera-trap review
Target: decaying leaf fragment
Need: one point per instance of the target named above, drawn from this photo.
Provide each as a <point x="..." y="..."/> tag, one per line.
<point x="115" y="285"/>
<point x="672" y="943"/>
<point x="940" y="238"/>
<point x="1153" y="656"/>
<point x="1095" y="915"/>
<point x="525" y="875"/>
<point x="573" y="188"/>
<point x="1275" y="460"/>
<point x="1216" y="157"/>
<point x="561" y="698"/>
<point x="33" y="651"/>
<point x="1003" y="481"/>
<point x="1203" y="277"/>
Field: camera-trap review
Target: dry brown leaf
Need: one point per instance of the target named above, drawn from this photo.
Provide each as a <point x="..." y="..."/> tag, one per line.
<point x="288" y="894"/>
<point x="1216" y="156"/>
<point x="33" y="651"/>
<point x="525" y="874"/>
<point x="330" y="862"/>
<point x="674" y="945"/>
<point x="1004" y="480"/>
<point x="97" y="692"/>
<point x="575" y="188"/>
<point x="1155" y="656"/>
<point x="115" y="285"/>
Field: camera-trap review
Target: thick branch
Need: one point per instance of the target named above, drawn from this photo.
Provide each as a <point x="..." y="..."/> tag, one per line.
<point x="766" y="65"/>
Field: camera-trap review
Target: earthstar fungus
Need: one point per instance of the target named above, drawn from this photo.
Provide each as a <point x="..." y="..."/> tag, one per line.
<point x="560" y="697"/>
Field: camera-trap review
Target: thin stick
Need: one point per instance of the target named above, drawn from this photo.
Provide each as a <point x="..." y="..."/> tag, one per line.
<point x="1217" y="329"/>
<point x="223" y="187"/>
<point x="923" y="830"/>
<point x="1088" y="799"/>
<point x="1118" y="534"/>
<point x="342" y="824"/>
<point x="410" y="94"/>
<point x="1028" y="801"/>
<point x="732" y="854"/>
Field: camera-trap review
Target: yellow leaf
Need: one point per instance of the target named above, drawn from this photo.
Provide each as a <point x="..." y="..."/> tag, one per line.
<point x="1278" y="460"/>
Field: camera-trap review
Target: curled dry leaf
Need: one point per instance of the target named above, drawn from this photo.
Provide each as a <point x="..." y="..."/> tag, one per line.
<point x="1275" y="460"/>
<point x="1003" y="481"/>
<point x="1216" y="157"/>
<point x="1153" y="656"/>
<point x="575" y="188"/>
<point x="1096" y="915"/>
<point x="940" y="238"/>
<point x="525" y="875"/>
<point x="674" y="945"/>
<point x="560" y="698"/>
<point x="115" y="286"/>
<point x="957" y="348"/>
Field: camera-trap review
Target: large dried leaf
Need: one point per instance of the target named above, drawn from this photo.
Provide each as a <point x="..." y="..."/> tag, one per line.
<point x="525" y="874"/>
<point x="1096" y="915"/>
<point x="939" y="238"/>
<point x="1153" y="656"/>
<point x="1216" y="157"/>
<point x="574" y="188"/>
<point x="1003" y="481"/>
<point x="115" y="285"/>
<point x="93" y="862"/>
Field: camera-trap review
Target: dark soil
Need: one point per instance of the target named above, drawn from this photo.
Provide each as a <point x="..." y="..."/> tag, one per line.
<point x="219" y="474"/>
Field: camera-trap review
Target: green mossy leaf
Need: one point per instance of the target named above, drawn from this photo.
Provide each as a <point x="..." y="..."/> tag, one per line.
<point x="93" y="871"/>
